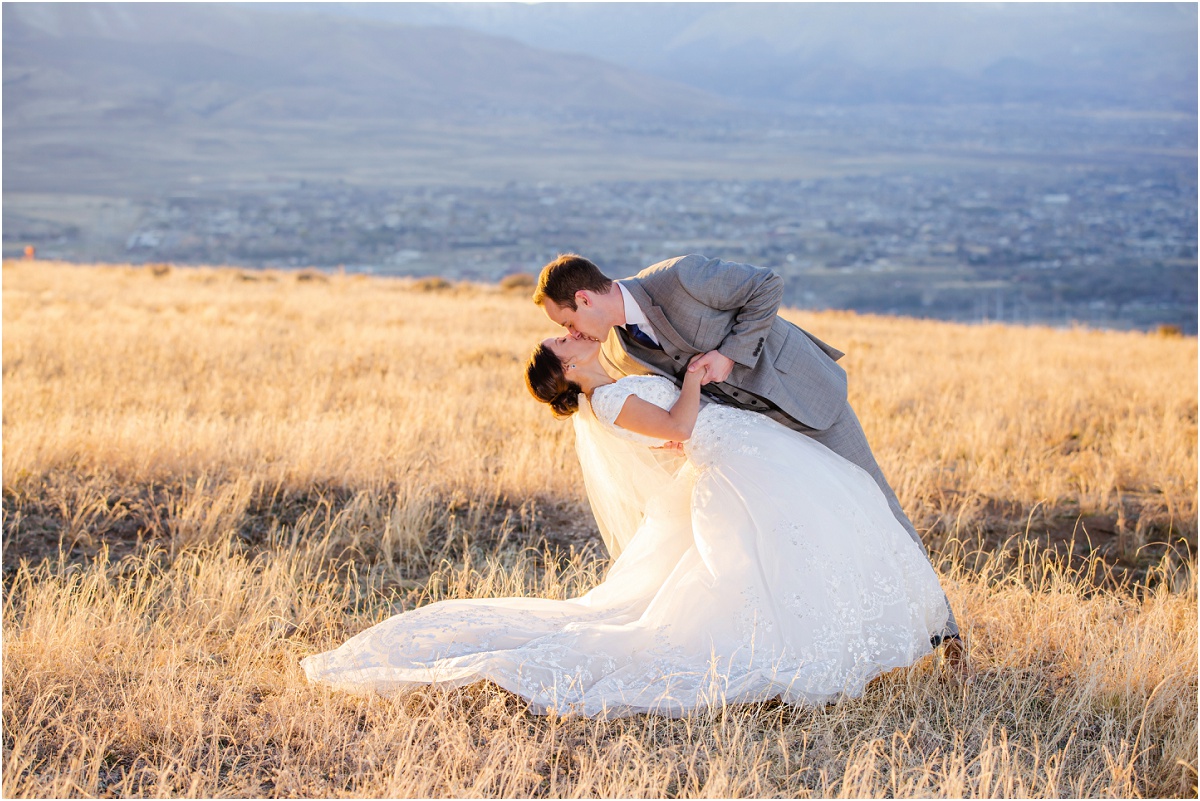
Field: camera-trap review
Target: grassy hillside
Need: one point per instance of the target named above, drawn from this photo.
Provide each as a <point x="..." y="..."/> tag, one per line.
<point x="209" y="474"/>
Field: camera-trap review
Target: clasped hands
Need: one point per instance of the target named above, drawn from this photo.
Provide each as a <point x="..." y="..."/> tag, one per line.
<point x="717" y="366"/>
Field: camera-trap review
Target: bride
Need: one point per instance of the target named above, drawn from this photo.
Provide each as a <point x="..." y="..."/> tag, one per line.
<point x="764" y="566"/>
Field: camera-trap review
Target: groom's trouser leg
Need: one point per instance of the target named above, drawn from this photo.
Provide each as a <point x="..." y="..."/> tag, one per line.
<point x="847" y="439"/>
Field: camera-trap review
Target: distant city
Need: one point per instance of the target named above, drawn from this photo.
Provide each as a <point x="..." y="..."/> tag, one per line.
<point x="1030" y="163"/>
<point x="1113" y="248"/>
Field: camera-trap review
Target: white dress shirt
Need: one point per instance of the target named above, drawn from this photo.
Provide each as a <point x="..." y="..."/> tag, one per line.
<point x="634" y="314"/>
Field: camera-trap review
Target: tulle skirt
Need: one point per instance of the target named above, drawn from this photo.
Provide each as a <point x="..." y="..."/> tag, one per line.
<point x="770" y="568"/>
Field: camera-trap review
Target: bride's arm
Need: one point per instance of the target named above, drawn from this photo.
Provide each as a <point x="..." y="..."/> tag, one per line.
<point x="642" y="417"/>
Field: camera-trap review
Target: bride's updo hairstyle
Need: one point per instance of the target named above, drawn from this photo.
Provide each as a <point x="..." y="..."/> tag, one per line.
<point x="547" y="381"/>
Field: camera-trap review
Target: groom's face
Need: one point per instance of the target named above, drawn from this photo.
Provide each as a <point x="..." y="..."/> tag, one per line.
<point x="585" y="321"/>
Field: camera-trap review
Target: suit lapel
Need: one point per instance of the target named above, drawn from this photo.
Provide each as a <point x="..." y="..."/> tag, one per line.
<point x="668" y="337"/>
<point x="618" y="350"/>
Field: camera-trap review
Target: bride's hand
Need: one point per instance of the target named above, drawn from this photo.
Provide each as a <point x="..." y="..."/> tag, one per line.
<point x="717" y="364"/>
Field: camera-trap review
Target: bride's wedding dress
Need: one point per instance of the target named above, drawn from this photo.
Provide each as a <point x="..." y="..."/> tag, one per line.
<point x="766" y="566"/>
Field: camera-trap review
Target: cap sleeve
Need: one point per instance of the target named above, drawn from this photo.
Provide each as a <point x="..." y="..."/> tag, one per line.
<point x="608" y="400"/>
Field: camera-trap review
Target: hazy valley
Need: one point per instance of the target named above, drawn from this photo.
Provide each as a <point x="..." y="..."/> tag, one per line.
<point x="360" y="137"/>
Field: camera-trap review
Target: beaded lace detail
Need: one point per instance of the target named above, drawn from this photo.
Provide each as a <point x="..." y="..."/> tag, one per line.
<point x="608" y="400"/>
<point x="779" y="573"/>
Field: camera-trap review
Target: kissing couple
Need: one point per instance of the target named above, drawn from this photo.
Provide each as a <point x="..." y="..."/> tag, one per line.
<point x="758" y="552"/>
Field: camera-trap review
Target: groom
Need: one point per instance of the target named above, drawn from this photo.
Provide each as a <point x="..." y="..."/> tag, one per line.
<point x="725" y="313"/>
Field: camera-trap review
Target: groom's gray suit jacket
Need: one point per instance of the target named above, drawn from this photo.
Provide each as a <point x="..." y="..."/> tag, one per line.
<point x="697" y="304"/>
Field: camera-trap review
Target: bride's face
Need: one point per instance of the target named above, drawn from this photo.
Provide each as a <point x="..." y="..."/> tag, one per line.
<point x="571" y="351"/>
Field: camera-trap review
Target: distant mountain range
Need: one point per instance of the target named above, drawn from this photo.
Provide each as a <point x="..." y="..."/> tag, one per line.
<point x="137" y="99"/>
<point x="250" y="63"/>
<point x="175" y="62"/>
<point x="1133" y="55"/>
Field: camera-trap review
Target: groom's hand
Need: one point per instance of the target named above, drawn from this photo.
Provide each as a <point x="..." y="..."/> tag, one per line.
<point x="719" y="366"/>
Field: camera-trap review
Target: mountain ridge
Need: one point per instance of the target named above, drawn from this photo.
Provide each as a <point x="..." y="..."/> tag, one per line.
<point x="1131" y="55"/>
<point x="377" y="69"/>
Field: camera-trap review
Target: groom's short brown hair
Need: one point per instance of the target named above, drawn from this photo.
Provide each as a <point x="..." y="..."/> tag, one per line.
<point x="566" y="275"/>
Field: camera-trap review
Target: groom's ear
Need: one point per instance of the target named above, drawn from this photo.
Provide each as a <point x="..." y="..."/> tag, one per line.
<point x="583" y="298"/>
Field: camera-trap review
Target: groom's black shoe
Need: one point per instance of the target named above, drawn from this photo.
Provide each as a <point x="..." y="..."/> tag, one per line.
<point x="937" y="640"/>
<point x="954" y="655"/>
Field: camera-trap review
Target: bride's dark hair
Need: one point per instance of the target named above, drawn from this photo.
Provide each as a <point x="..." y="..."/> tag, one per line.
<point x="547" y="381"/>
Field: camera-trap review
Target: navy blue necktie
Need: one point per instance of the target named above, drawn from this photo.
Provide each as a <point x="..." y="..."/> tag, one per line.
<point x="641" y="336"/>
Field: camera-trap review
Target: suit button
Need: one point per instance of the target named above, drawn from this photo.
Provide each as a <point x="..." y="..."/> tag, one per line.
<point x="735" y="393"/>
<point x="676" y="358"/>
<point x="752" y="400"/>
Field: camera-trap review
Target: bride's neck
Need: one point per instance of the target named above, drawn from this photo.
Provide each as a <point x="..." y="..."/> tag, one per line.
<point x="592" y="377"/>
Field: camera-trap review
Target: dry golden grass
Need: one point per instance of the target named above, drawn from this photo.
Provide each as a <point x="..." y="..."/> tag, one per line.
<point x="230" y="471"/>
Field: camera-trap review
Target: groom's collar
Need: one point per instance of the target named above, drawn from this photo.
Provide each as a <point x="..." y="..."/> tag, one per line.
<point x="633" y="312"/>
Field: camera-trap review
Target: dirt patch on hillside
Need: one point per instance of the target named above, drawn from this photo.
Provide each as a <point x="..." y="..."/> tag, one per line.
<point x="72" y="524"/>
<point x="76" y="526"/>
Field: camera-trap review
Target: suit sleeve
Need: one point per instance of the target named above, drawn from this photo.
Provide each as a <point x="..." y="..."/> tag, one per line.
<point x="752" y="293"/>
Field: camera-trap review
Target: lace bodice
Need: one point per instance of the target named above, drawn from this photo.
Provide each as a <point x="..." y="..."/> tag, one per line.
<point x="608" y="400"/>
<point x="719" y="429"/>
